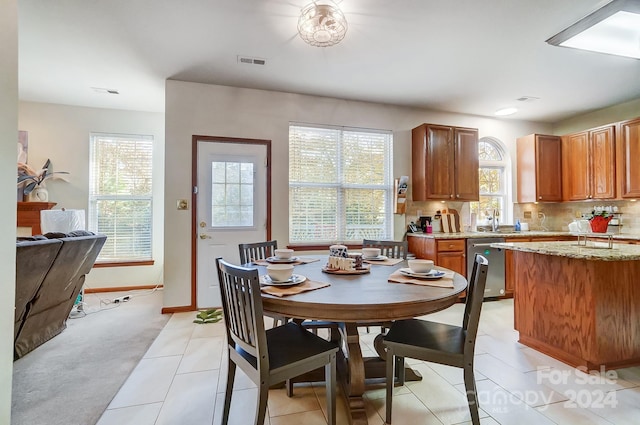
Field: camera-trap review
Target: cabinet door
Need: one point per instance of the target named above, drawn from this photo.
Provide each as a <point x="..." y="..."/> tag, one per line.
<point x="440" y="162"/>
<point x="548" y="168"/>
<point x="630" y="150"/>
<point x="467" y="186"/>
<point x="455" y="261"/>
<point x="603" y="163"/>
<point x="575" y="170"/>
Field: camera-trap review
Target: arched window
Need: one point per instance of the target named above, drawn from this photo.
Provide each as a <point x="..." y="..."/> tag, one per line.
<point x="494" y="182"/>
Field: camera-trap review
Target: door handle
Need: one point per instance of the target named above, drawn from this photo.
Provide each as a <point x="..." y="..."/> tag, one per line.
<point x="203" y="236"/>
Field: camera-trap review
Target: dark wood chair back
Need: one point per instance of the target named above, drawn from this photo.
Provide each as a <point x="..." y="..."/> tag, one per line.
<point x="256" y="251"/>
<point x="242" y="309"/>
<point x="392" y="249"/>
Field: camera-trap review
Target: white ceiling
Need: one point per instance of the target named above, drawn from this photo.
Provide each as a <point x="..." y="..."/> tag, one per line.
<point x="467" y="56"/>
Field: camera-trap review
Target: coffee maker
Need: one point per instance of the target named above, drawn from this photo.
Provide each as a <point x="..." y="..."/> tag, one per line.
<point x="423" y="221"/>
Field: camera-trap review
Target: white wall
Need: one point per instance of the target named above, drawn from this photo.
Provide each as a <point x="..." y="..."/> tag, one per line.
<point x="621" y="112"/>
<point x="8" y="141"/>
<point x="61" y="133"/>
<point x="200" y="109"/>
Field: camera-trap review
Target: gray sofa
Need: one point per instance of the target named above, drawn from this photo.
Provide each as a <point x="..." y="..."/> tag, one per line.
<point x="50" y="272"/>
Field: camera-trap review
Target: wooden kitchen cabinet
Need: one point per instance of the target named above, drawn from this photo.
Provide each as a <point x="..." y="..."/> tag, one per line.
<point x="444" y="163"/>
<point x="448" y="253"/>
<point x="539" y="168"/>
<point x="509" y="278"/>
<point x="589" y="164"/>
<point x="629" y="150"/>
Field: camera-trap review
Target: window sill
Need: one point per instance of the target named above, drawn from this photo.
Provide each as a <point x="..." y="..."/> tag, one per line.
<point x="123" y="263"/>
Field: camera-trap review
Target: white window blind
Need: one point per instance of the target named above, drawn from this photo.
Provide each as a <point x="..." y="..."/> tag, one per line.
<point x="120" y="195"/>
<point x="340" y="184"/>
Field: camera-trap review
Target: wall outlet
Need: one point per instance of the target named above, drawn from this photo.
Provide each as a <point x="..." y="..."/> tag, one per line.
<point x="578" y="214"/>
<point x="527" y="214"/>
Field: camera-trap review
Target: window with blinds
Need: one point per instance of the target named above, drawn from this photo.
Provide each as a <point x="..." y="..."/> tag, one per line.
<point x="120" y="195"/>
<point x="340" y="184"/>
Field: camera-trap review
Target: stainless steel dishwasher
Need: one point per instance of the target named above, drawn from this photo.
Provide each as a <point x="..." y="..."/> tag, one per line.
<point x="495" y="276"/>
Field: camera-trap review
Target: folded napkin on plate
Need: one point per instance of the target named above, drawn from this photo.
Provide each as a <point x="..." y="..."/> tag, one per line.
<point x="445" y="281"/>
<point x="295" y="263"/>
<point x="281" y="291"/>
<point x="387" y="262"/>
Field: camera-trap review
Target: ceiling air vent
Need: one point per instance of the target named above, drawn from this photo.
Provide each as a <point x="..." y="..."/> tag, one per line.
<point x="527" y="99"/>
<point x="251" y="61"/>
<point x="105" y="90"/>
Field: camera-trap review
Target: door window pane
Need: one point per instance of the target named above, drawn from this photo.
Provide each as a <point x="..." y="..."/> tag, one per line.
<point x="232" y="194"/>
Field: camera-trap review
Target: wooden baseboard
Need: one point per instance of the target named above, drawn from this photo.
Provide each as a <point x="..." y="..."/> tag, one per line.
<point x="178" y="309"/>
<point x="121" y="289"/>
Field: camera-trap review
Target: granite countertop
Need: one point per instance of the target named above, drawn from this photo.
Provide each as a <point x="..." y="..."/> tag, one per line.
<point x="592" y="251"/>
<point x="501" y="234"/>
<point x="527" y="234"/>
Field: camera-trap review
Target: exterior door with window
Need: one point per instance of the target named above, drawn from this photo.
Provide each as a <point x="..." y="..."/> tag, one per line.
<point x="231" y="208"/>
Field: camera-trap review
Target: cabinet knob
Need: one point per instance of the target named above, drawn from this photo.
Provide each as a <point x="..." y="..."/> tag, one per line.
<point x="457" y="195"/>
<point x="539" y="197"/>
<point x="451" y="196"/>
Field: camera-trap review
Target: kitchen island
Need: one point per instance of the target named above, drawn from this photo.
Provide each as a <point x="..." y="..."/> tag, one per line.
<point x="578" y="304"/>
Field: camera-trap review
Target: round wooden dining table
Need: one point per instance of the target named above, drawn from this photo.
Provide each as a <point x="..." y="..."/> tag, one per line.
<point x="354" y="300"/>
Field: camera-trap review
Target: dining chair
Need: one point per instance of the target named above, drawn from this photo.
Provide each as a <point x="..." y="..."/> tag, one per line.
<point x="260" y="251"/>
<point x="270" y="356"/>
<point x="439" y="342"/>
<point x="392" y="249"/>
<point x="257" y="251"/>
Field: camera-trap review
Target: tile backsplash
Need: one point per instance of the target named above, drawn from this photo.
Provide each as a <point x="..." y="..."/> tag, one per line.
<point x="557" y="216"/>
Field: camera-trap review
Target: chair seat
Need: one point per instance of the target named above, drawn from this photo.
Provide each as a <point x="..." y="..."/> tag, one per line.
<point x="429" y="341"/>
<point x="290" y="344"/>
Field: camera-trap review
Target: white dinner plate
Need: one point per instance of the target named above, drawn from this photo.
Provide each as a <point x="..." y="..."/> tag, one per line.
<point x="282" y="260"/>
<point x="295" y="279"/>
<point x="378" y="258"/>
<point x="433" y="274"/>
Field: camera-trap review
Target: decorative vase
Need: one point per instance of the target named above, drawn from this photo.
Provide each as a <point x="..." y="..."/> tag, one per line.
<point x="599" y="224"/>
<point x="39" y="194"/>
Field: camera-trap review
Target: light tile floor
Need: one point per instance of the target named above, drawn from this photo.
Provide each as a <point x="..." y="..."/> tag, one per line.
<point x="181" y="380"/>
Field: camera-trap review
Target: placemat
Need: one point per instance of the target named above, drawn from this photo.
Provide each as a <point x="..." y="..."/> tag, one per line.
<point x="445" y="281"/>
<point x="307" y="285"/>
<point x="299" y="261"/>
<point x="387" y="262"/>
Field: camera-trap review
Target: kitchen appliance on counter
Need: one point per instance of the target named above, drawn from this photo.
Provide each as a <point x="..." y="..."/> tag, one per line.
<point x="495" y="274"/>
<point x="424" y="221"/>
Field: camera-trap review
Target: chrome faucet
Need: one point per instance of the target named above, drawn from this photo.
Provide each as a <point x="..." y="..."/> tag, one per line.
<point x="494" y="222"/>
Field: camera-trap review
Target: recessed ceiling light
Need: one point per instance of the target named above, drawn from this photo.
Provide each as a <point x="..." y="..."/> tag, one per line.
<point x="104" y="90"/>
<point x="613" y="29"/>
<point x="506" y="111"/>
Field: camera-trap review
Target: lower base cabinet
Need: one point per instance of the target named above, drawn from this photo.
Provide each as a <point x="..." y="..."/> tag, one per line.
<point x="447" y="253"/>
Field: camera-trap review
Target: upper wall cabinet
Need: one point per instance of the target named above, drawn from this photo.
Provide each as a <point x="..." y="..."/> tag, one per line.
<point x="629" y="150"/>
<point x="539" y="168"/>
<point x="588" y="164"/>
<point x="445" y="163"/>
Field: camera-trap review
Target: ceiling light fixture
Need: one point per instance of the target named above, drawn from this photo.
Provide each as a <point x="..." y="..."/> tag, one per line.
<point x="322" y="25"/>
<point x="506" y="111"/>
<point x="613" y="29"/>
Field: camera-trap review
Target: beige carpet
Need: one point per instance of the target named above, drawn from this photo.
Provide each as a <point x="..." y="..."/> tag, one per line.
<point x="71" y="379"/>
